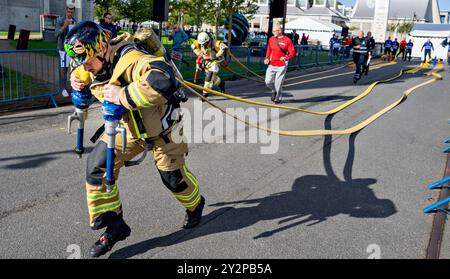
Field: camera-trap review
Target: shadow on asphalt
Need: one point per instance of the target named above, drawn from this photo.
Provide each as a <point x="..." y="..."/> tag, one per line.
<point x="38" y="160"/>
<point x="312" y="200"/>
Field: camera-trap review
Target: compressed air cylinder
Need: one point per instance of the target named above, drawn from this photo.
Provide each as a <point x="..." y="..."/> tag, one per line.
<point x="150" y="40"/>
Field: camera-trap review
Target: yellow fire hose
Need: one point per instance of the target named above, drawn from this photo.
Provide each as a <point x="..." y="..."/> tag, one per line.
<point x="375" y="66"/>
<point x="333" y="111"/>
<point x="228" y="69"/>
<point x="335" y="75"/>
<point x="305" y="133"/>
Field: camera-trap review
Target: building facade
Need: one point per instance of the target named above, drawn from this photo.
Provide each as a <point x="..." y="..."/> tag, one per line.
<point x="25" y="14"/>
<point x="326" y="10"/>
<point x="445" y="17"/>
<point x="399" y="12"/>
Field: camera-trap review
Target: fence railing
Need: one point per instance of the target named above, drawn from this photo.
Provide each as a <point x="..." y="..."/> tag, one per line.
<point x="441" y="205"/>
<point x="253" y="58"/>
<point x="29" y="74"/>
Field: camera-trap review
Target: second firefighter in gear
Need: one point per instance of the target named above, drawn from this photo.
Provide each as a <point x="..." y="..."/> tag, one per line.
<point x="144" y="85"/>
<point x="359" y="45"/>
<point x="213" y="54"/>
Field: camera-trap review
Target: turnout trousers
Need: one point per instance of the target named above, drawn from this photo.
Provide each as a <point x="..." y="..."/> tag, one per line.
<point x="169" y="158"/>
<point x="212" y="78"/>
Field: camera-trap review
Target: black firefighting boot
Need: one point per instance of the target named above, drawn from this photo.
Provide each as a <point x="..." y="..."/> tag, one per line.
<point x="193" y="218"/>
<point x="222" y="86"/>
<point x="116" y="231"/>
<point x="205" y="95"/>
<point x="274" y="95"/>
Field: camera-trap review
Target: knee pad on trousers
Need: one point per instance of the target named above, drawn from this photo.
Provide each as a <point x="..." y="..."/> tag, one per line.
<point x="173" y="180"/>
<point x="106" y="219"/>
<point x="96" y="164"/>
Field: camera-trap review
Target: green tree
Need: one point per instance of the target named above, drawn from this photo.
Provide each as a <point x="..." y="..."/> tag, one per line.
<point x="103" y="6"/>
<point x="179" y="10"/>
<point x="198" y="11"/>
<point x="405" y="27"/>
<point x="136" y="10"/>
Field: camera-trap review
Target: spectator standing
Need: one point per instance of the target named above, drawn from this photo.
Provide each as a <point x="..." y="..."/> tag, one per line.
<point x="395" y="47"/>
<point x="428" y="46"/>
<point x="304" y="43"/>
<point x="108" y="25"/>
<point x="348" y="48"/>
<point x="179" y="38"/>
<point x="63" y="26"/>
<point x="279" y="51"/>
<point x="388" y="49"/>
<point x="295" y="37"/>
<point x="403" y="49"/>
<point x="409" y="48"/>
<point x="336" y="45"/>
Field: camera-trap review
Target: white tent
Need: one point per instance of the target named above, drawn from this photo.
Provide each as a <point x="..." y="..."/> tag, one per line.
<point x="319" y="30"/>
<point x="149" y="23"/>
<point x="421" y="32"/>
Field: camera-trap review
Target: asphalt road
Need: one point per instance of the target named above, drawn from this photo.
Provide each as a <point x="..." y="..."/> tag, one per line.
<point x="315" y="197"/>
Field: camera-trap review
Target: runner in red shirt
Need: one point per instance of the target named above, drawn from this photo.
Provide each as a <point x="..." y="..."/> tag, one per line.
<point x="403" y="49"/>
<point x="279" y="51"/>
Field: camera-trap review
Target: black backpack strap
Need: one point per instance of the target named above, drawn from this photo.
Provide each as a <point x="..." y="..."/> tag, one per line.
<point x="278" y="45"/>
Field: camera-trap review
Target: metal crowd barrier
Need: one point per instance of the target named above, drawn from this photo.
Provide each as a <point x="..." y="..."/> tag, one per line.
<point x="29" y="74"/>
<point x="445" y="182"/>
<point x="253" y="57"/>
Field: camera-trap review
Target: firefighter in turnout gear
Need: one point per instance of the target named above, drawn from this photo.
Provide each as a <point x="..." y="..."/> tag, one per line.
<point x="128" y="75"/>
<point x="359" y="45"/>
<point x="213" y="53"/>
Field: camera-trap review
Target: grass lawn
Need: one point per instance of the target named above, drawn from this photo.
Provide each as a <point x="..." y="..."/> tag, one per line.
<point x="39" y="44"/>
<point x="33" y="35"/>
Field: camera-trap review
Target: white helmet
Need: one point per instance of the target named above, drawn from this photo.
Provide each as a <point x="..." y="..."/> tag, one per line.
<point x="203" y="38"/>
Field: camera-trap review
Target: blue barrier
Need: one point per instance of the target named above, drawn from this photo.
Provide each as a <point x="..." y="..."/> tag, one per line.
<point x="29" y="74"/>
<point x="253" y="57"/>
<point x="439" y="183"/>
<point x="440" y="205"/>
